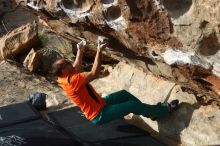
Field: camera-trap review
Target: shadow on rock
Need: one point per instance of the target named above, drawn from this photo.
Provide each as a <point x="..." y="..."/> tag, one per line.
<point x="172" y="126"/>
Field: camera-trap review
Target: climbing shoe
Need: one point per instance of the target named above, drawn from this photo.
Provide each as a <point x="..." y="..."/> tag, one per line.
<point x="173" y="105"/>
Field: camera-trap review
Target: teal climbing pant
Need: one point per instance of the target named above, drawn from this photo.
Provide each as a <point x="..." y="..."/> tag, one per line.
<point x="121" y="103"/>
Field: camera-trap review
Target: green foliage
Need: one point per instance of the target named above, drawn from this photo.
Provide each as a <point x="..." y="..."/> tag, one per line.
<point x="43" y="38"/>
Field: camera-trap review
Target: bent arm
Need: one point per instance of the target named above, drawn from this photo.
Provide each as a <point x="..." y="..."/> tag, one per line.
<point x="79" y="55"/>
<point x="78" y="61"/>
<point x="94" y="73"/>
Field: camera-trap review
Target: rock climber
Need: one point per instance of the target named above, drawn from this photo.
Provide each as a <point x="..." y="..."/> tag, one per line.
<point x="97" y="109"/>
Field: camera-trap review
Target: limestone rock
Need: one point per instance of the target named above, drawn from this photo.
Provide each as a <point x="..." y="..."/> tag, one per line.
<point x="47" y="57"/>
<point x="54" y="47"/>
<point x="12" y="16"/>
<point x="146" y="34"/>
<point x="31" y="61"/>
<point x="18" y="41"/>
<point x="187" y="25"/>
<point x="149" y="23"/>
<point x="191" y="124"/>
<point x="17" y="84"/>
<point x="196" y="25"/>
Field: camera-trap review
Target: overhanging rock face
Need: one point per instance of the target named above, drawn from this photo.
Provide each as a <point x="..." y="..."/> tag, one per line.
<point x="189" y="26"/>
<point x="196" y="25"/>
<point x="135" y="22"/>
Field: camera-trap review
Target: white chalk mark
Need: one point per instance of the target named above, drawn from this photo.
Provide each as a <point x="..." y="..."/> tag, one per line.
<point x="12" y="140"/>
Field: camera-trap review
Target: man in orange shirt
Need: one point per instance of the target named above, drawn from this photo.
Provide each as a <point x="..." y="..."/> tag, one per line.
<point x="98" y="110"/>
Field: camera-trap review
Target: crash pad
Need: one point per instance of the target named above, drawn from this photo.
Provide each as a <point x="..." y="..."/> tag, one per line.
<point x="17" y="113"/>
<point x="117" y="132"/>
<point x="34" y="133"/>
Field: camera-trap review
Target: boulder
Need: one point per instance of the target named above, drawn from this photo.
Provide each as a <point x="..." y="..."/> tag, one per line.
<point x="19" y="41"/>
<point x="192" y="124"/>
<point x="189" y="26"/>
<point x="13" y="17"/>
<point x="196" y="25"/>
<point x="53" y="47"/>
<point x="31" y="61"/>
<point x="17" y="84"/>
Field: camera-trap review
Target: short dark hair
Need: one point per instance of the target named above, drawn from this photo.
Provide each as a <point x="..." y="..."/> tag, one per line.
<point x="58" y="66"/>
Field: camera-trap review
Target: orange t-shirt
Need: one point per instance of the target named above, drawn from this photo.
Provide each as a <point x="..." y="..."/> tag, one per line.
<point x="79" y="93"/>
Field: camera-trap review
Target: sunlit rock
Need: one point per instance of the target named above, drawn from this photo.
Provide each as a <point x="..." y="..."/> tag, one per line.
<point x="31" y="61"/>
<point x="168" y="49"/>
<point x="18" y="41"/>
<point x="192" y="124"/>
<point x="17" y="84"/>
<point x="180" y="58"/>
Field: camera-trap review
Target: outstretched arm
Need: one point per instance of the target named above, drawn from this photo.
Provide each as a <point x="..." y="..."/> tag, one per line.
<point x="94" y="73"/>
<point x="79" y="55"/>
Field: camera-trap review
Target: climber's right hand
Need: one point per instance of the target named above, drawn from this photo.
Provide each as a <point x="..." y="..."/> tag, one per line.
<point x="101" y="46"/>
<point x="81" y="45"/>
